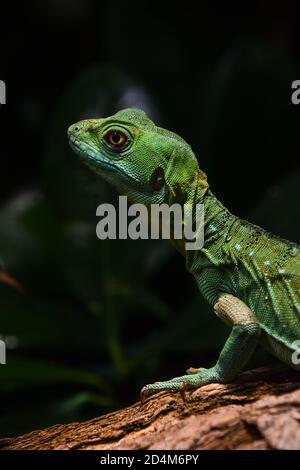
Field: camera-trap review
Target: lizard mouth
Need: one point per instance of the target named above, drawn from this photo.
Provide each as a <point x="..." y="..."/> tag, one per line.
<point x="82" y="149"/>
<point x="99" y="163"/>
<point x="93" y="158"/>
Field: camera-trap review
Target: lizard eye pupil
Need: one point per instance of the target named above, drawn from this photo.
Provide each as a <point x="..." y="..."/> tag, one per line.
<point x="115" y="138"/>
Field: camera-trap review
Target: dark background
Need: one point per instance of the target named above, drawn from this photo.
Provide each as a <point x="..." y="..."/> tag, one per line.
<point x="101" y="319"/>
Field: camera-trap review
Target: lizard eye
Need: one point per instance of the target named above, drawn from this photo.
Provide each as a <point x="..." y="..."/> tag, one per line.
<point x="115" y="138"/>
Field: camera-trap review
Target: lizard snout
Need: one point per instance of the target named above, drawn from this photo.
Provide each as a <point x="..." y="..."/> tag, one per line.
<point x="74" y="129"/>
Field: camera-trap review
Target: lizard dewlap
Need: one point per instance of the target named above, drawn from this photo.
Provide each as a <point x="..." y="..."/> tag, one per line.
<point x="250" y="277"/>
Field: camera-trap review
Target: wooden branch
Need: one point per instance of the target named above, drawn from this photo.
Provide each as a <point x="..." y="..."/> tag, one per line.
<point x="259" y="410"/>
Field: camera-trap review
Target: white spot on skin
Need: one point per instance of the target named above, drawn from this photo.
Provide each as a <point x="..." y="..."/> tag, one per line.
<point x="267" y="262"/>
<point x="213" y="227"/>
<point x="251" y="253"/>
<point x="238" y="246"/>
<point x="281" y="271"/>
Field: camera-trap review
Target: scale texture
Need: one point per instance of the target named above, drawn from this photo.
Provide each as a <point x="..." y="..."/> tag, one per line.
<point x="251" y="278"/>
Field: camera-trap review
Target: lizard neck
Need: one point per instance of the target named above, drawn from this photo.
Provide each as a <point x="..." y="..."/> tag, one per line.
<point x="218" y="224"/>
<point x="218" y="220"/>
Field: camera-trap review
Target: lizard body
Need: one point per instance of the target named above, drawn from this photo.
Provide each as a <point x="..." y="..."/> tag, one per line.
<point x="249" y="276"/>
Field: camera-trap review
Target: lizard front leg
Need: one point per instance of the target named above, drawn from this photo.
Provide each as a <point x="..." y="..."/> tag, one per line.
<point x="236" y="352"/>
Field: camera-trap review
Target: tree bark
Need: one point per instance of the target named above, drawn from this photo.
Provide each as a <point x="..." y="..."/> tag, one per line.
<point x="259" y="410"/>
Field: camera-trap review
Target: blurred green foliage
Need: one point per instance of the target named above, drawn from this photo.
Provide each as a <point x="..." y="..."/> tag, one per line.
<point x="102" y="318"/>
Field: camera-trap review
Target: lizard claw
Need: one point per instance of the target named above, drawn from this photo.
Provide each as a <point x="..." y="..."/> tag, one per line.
<point x="143" y="395"/>
<point x="182" y="391"/>
<point x="146" y="391"/>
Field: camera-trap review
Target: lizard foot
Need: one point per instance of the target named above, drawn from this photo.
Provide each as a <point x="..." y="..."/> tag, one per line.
<point x="185" y="382"/>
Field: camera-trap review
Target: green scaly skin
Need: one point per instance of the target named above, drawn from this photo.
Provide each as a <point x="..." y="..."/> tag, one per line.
<point x="249" y="276"/>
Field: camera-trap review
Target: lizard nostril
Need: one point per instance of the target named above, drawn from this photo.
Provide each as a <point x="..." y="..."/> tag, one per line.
<point x="73" y="130"/>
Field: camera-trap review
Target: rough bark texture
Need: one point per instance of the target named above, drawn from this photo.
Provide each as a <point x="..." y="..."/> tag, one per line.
<point x="259" y="410"/>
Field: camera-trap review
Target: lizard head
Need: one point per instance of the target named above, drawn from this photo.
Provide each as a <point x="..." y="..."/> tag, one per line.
<point x="145" y="162"/>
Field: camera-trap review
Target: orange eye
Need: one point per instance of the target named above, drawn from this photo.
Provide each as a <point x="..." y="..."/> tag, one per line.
<point x="116" y="138"/>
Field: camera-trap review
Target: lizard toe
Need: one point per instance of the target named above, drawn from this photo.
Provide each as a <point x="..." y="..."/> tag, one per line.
<point x="192" y="370"/>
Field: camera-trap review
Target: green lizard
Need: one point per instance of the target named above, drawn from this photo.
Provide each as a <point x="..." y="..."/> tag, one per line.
<point x="250" y="277"/>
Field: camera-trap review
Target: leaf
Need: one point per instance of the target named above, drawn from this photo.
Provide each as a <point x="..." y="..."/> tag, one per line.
<point x="10" y="281"/>
<point x="20" y="373"/>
